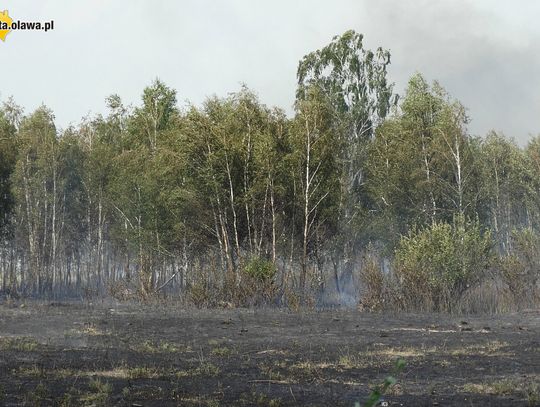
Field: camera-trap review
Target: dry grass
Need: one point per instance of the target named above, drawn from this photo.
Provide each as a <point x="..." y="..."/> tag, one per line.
<point x="20" y="343"/>
<point x="502" y="387"/>
<point x="403" y="352"/>
<point x="492" y="348"/>
<point x="527" y="387"/>
<point x="87" y="329"/>
<point x="160" y="347"/>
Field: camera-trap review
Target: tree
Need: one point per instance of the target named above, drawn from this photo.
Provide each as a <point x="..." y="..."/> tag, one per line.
<point x="7" y="163"/>
<point x="159" y="106"/>
<point x="102" y="140"/>
<point x="508" y="187"/>
<point x="72" y="206"/>
<point x="36" y="191"/>
<point x="8" y="154"/>
<point x="354" y="82"/>
<point x="421" y="167"/>
<point x="315" y="171"/>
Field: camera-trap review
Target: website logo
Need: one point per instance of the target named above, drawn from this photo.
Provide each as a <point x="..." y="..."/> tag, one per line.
<point x="7" y="24"/>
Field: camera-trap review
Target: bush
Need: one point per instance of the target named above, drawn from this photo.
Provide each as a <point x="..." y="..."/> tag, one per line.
<point x="436" y="265"/>
<point x="520" y="269"/>
<point x="200" y="294"/>
<point x="256" y="283"/>
<point x="260" y="269"/>
<point x="373" y="281"/>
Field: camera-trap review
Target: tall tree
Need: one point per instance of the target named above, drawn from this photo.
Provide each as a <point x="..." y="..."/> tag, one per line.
<point x="316" y="170"/>
<point x="36" y="180"/>
<point x="8" y="150"/>
<point x="354" y="82"/>
<point x="421" y="167"/>
<point x="509" y="188"/>
<point x="159" y="105"/>
<point x="8" y="154"/>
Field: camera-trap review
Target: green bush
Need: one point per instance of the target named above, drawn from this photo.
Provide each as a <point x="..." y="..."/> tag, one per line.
<point x="260" y="269"/>
<point x="436" y="265"/>
<point x="257" y="283"/>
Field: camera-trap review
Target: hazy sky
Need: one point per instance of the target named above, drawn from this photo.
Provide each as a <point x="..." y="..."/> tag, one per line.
<point x="486" y="53"/>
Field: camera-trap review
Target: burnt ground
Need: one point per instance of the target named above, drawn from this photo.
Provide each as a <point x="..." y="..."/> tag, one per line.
<point x="159" y="355"/>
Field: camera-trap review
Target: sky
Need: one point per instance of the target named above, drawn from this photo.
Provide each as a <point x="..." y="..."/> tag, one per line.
<point x="486" y="53"/>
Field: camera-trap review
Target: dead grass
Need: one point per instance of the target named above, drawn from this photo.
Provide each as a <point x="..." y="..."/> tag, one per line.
<point x="20" y="344"/>
<point x="259" y="400"/>
<point x="500" y="388"/>
<point x="353" y="361"/>
<point x="492" y="348"/>
<point x="528" y="387"/>
<point x="30" y="371"/>
<point x="39" y="395"/>
<point x="88" y="329"/>
<point x="160" y="347"/>
<point x="99" y="393"/>
<point x="274" y="371"/>
<point x="403" y="352"/>
<point x="221" y="351"/>
<point x="144" y="361"/>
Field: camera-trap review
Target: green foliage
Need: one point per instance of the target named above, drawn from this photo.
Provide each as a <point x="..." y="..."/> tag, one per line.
<point x="383" y="388"/>
<point x="352" y="81"/>
<point x="260" y="269"/>
<point x="155" y="116"/>
<point x="509" y="187"/>
<point x="8" y="152"/>
<point x="421" y="166"/>
<point x="436" y="265"/>
<point x="353" y="78"/>
<point x="258" y="283"/>
<point x="207" y="201"/>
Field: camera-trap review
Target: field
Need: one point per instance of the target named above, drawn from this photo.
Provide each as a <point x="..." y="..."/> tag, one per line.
<point x="73" y="354"/>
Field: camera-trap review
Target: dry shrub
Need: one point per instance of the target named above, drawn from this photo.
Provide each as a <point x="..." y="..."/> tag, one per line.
<point x="520" y="270"/>
<point x="207" y="285"/>
<point x="293" y="300"/>
<point x="89" y="293"/>
<point x="373" y="281"/>
<point x="202" y="294"/>
<point x="511" y="272"/>
<point x="253" y="285"/>
<point x="122" y="290"/>
<point x="489" y="297"/>
<point x="252" y="292"/>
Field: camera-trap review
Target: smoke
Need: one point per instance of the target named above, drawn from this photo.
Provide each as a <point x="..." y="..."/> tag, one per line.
<point x="486" y="56"/>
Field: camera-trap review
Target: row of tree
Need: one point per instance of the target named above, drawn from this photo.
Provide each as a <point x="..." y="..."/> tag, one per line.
<point x="206" y="201"/>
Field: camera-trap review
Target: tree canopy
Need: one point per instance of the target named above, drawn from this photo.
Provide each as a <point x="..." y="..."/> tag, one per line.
<point x="235" y="201"/>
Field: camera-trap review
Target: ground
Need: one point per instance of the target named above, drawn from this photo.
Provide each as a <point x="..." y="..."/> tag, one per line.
<point x="66" y="354"/>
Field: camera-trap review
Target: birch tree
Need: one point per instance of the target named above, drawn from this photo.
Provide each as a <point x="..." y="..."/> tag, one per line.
<point x="315" y="170"/>
<point x="354" y="82"/>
